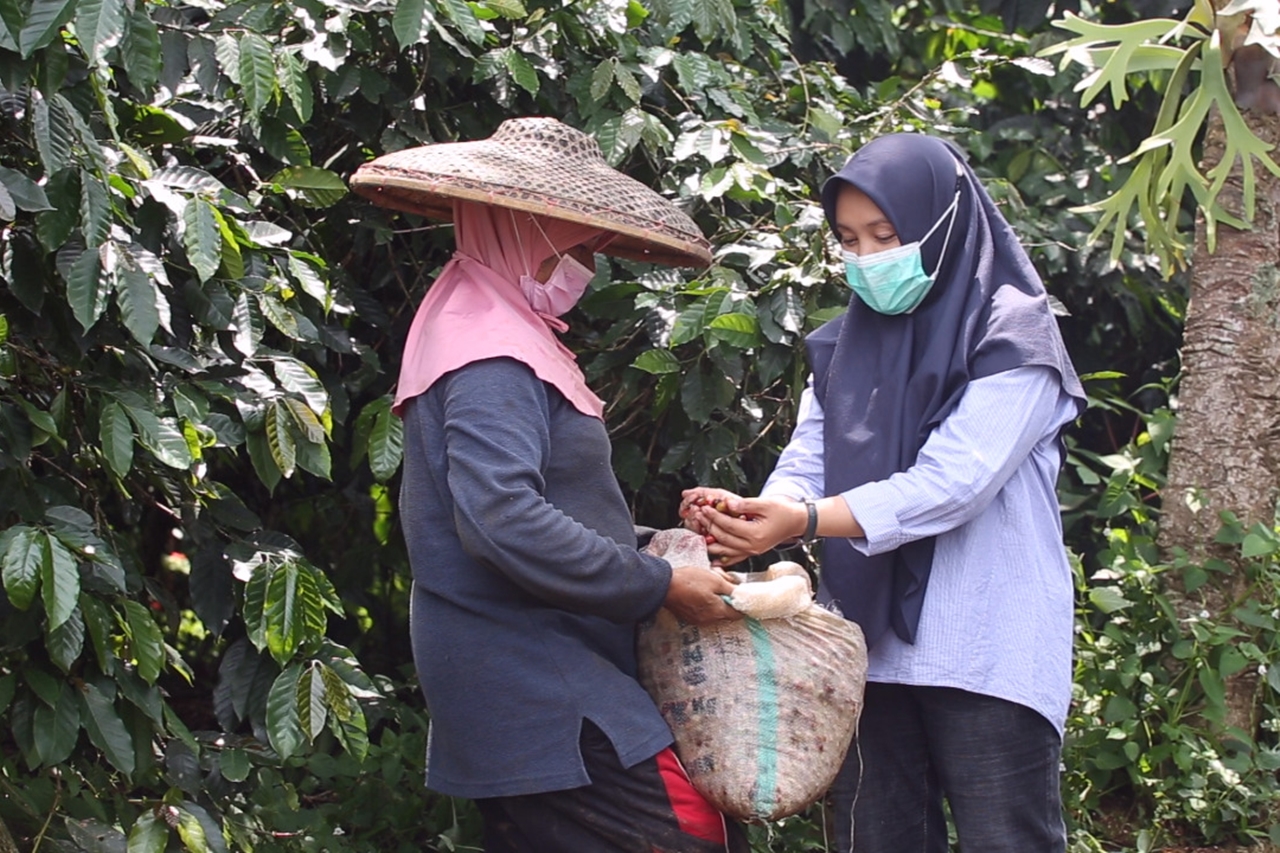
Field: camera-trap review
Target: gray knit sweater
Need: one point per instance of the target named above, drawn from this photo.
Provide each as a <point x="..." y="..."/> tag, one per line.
<point x="527" y="584"/>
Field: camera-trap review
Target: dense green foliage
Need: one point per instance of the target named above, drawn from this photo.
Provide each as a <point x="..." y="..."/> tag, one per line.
<point x="1147" y="744"/>
<point x="203" y="640"/>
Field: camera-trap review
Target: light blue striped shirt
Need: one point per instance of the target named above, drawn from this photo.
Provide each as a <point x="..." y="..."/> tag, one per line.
<point x="998" y="613"/>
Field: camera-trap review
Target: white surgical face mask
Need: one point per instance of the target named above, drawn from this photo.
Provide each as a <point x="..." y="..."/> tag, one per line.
<point x="562" y="289"/>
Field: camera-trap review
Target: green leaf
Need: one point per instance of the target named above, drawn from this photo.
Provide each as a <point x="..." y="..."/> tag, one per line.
<point x="99" y="27"/>
<point x="257" y="73"/>
<point x="294" y="81"/>
<point x="305" y="421"/>
<point x="283" y="728"/>
<point x="249" y="324"/>
<point x="688" y="324"/>
<point x="116" y="437"/>
<point x="57" y="728"/>
<point x="510" y="9"/>
<point x="657" y="361"/>
<point x="352" y="731"/>
<point x="314" y="456"/>
<point x="149" y="835"/>
<point x="191" y="832"/>
<point x="739" y="330"/>
<point x="66" y="642"/>
<point x="312" y="711"/>
<point x="310" y="280"/>
<point x="25" y="193"/>
<point x="136" y="297"/>
<point x="1256" y="545"/>
<point x="284" y="619"/>
<point x="1108" y="599"/>
<point x="145" y="641"/>
<point x="234" y="763"/>
<point x="279" y="316"/>
<point x="10" y="25"/>
<point x="283" y="451"/>
<point x="141" y="51"/>
<point x="8" y="210"/>
<point x="87" y="289"/>
<point x="465" y="20"/>
<point x="59" y="582"/>
<point x="386" y="443"/>
<point x="263" y="463"/>
<point x="602" y="79"/>
<point x="44" y="20"/>
<point x="522" y="71"/>
<point x="161" y="437"/>
<point x="95" y="210"/>
<point x="298" y="378"/>
<point x="318" y="187"/>
<point x="55" y="226"/>
<point x="1215" y="689"/>
<point x="106" y="730"/>
<point x="202" y="238"/>
<point x="187" y="178"/>
<point x="22" y="561"/>
<point x="43" y="422"/>
<point x="100" y="622"/>
<point x="628" y="83"/>
<point x="346" y="719"/>
<point x="702" y="391"/>
<point x="409" y="22"/>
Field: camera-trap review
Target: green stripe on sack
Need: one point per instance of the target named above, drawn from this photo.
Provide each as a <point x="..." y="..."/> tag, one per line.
<point x="767" y="711"/>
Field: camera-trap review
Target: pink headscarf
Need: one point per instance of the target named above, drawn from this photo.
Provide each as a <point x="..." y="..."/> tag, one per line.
<point x="476" y="310"/>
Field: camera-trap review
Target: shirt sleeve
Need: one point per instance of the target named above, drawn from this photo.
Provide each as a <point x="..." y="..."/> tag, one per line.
<point x="497" y="433"/>
<point x="964" y="463"/>
<point x="799" y="472"/>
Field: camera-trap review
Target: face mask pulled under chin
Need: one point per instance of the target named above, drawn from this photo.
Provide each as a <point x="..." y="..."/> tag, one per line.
<point x="562" y="289"/>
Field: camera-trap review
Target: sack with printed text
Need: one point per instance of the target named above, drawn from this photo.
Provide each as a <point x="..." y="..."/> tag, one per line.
<point x="763" y="709"/>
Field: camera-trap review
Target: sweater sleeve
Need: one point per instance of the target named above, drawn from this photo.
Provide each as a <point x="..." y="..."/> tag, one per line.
<point x="497" y="432"/>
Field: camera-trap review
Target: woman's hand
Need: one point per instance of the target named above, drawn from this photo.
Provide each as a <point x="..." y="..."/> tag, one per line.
<point x="692" y="499"/>
<point x="749" y="526"/>
<point x="694" y="595"/>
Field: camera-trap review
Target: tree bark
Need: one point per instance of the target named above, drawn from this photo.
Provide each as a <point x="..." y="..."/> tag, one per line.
<point x="1226" y="449"/>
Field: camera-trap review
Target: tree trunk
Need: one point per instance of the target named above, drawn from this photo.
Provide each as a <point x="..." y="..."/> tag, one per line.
<point x="1226" y="450"/>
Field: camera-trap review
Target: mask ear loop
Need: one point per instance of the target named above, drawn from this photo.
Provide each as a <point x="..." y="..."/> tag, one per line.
<point x="515" y="226"/>
<point x="954" y="209"/>
<point x="605" y="239"/>
<point x="946" y="241"/>
<point x="546" y="239"/>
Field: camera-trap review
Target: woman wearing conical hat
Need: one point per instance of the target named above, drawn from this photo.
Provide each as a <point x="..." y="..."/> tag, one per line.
<point x="527" y="582"/>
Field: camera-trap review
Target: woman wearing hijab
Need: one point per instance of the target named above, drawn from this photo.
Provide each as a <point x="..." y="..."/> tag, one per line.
<point x="925" y="455"/>
<point x="527" y="582"/>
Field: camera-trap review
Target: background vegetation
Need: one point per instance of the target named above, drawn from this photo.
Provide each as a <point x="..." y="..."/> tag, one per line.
<point x="203" y="637"/>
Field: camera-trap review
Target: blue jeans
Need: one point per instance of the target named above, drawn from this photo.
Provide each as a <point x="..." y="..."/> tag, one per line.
<point x="995" y="762"/>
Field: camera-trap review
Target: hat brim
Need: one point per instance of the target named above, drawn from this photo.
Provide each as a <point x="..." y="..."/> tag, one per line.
<point x="433" y="198"/>
<point x="529" y="170"/>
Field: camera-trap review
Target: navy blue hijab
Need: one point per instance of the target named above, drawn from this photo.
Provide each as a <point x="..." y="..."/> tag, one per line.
<point x="885" y="382"/>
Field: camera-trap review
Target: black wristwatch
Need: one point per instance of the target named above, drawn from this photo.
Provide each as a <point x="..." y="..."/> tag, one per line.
<point x="810" y="529"/>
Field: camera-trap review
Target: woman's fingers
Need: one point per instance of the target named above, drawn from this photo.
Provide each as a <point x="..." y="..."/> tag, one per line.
<point x="752" y="525"/>
<point x="693" y="499"/>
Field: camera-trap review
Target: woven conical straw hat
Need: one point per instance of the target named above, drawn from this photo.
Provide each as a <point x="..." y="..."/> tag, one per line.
<point x="542" y="166"/>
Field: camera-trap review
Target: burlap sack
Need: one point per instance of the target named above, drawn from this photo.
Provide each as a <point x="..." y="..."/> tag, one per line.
<point x="763" y="710"/>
